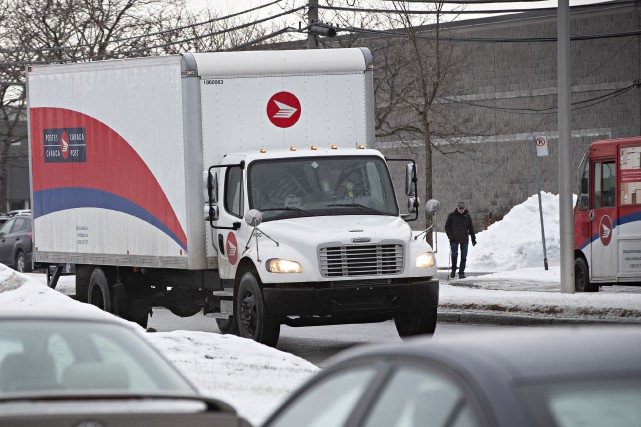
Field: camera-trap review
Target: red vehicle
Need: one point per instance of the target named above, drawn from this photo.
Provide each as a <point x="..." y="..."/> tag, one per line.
<point x="607" y="216"/>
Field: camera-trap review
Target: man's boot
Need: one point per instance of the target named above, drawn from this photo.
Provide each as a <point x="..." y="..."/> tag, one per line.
<point x="453" y="273"/>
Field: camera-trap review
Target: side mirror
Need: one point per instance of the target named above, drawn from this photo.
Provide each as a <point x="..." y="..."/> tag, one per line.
<point x="584" y="186"/>
<point x="212" y="187"/>
<point x="432" y="206"/>
<point x="211" y="213"/>
<point x="412" y="204"/>
<point x="253" y="217"/>
<point x="410" y="179"/>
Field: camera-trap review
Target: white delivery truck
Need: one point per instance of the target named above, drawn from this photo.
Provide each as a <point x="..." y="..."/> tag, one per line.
<point x="238" y="185"/>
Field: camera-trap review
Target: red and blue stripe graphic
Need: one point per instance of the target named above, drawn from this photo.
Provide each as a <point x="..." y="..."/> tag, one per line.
<point x="113" y="177"/>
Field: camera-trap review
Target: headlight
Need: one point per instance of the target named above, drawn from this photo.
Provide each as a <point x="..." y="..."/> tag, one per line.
<point x="425" y="260"/>
<point x="283" y="266"/>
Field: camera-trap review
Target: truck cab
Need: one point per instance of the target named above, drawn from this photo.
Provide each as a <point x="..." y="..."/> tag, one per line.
<point x="607" y="216"/>
<point x="313" y="237"/>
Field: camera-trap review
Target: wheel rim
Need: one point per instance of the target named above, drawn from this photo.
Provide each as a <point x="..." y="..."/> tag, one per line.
<point x="20" y="263"/>
<point x="248" y="312"/>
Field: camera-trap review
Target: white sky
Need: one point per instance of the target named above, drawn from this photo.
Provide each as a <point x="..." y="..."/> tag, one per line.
<point x="255" y="378"/>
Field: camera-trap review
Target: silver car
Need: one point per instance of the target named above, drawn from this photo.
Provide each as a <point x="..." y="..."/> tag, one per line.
<point x="556" y="376"/>
<point x="77" y="371"/>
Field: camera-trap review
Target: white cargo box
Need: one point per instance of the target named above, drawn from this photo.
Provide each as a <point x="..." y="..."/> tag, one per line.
<point x="117" y="148"/>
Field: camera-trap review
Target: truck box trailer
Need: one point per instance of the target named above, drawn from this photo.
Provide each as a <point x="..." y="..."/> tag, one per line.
<point x="234" y="184"/>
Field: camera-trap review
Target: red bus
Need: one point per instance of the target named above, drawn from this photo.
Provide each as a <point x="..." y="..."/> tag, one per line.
<point x="607" y="216"/>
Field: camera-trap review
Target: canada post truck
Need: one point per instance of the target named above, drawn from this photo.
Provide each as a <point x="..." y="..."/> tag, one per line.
<point x="607" y="216"/>
<point x="239" y="185"/>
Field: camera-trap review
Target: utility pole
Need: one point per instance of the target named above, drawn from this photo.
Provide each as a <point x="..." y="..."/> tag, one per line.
<point x="312" y="17"/>
<point x="566" y="214"/>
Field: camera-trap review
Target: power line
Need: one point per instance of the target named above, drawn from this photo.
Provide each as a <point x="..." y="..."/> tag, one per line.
<point x="184" y="27"/>
<point x="577" y="105"/>
<point x="463" y="12"/>
<point x="494" y="39"/>
<point x="146" y="48"/>
<point x="464" y="1"/>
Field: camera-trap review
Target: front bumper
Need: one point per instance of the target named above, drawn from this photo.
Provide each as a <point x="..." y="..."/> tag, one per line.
<point x="352" y="300"/>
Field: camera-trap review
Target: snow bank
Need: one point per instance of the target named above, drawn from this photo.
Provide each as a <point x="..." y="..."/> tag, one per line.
<point x="515" y="242"/>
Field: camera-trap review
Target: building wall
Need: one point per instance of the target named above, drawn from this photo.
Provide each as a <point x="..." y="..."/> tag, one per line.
<point x="513" y="88"/>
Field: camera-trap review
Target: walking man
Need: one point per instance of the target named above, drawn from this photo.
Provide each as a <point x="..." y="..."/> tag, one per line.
<point x="459" y="229"/>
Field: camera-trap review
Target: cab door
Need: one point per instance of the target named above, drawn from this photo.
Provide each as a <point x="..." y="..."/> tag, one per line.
<point x="229" y="232"/>
<point x="603" y="220"/>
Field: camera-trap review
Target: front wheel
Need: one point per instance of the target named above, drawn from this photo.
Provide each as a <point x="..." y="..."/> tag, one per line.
<point x="253" y="320"/>
<point x="416" y="322"/>
<point x="582" y="277"/>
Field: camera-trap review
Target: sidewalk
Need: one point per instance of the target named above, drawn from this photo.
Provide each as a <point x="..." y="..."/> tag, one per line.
<point x="503" y="300"/>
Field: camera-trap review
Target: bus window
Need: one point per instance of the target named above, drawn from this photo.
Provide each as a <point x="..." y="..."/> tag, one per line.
<point x="630" y="175"/>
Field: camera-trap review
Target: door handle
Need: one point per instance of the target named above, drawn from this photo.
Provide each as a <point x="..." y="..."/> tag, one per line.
<point x="591" y="215"/>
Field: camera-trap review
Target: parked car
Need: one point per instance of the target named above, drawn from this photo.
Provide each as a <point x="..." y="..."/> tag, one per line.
<point x="80" y="371"/>
<point x="16" y="242"/>
<point x="564" y="377"/>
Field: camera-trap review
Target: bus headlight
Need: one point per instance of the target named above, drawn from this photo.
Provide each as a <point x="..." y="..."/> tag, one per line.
<point x="425" y="260"/>
<point x="276" y="265"/>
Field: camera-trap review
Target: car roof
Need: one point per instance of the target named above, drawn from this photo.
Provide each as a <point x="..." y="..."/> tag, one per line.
<point x="526" y="354"/>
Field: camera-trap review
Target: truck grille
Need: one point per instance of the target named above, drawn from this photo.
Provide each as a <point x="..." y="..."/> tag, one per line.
<point x="344" y="261"/>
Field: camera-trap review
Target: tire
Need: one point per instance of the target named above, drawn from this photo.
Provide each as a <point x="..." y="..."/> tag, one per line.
<point x="227" y="326"/>
<point x="83" y="275"/>
<point x="131" y="304"/>
<point x="99" y="291"/>
<point x="20" y="262"/>
<point x="251" y="314"/>
<point x="416" y="323"/>
<point x="582" y="277"/>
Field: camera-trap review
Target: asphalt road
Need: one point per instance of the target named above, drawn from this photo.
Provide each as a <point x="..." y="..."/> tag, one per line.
<point x="315" y="344"/>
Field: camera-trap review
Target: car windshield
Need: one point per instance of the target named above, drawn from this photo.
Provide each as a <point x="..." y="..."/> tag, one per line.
<point x="314" y="186"/>
<point x="588" y="403"/>
<point x="73" y="357"/>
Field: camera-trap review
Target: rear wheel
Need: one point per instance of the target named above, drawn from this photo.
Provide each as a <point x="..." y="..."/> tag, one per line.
<point x="416" y="322"/>
<point x="253" y="320"/>
<point x="132" y="303"/>
<point x="20" y="263"/>
<point x="582" y="277"/>
<point x="99" y="291"/>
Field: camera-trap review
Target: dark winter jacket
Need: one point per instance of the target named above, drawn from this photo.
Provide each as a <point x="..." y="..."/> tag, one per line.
<point x="459" y="226"/>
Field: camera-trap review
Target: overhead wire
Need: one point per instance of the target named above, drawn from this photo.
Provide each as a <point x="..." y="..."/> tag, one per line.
<point x="170" y="30"/>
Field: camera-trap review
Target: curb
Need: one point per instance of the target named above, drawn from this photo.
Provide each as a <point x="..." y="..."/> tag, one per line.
<point x="485" y="318"/>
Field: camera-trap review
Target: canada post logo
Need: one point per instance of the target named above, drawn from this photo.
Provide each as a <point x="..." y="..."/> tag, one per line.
<point x="64" y="145"/>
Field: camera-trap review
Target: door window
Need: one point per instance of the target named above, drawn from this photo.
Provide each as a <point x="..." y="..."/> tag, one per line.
<point x="604" y="184"/>
<point x="418" y="397"/>
<point x="329" y="402"/>
<point x="234" y="191"/>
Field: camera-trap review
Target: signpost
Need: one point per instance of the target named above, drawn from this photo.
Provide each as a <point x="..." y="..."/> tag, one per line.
<point x="541" y="151"/>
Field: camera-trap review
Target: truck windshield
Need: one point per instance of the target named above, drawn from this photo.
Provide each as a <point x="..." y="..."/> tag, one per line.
<point x="321" y="186"/>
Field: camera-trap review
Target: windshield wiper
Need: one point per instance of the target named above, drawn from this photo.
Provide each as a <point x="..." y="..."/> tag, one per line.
<point x="285" y="208"/>
<point x="357" y="205"/>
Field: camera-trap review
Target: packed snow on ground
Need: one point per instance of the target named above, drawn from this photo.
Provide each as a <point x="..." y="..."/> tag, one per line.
<point x="255" y="378"/>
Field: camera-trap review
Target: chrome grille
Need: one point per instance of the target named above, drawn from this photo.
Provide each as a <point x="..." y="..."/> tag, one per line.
<point x="344" y="261"/>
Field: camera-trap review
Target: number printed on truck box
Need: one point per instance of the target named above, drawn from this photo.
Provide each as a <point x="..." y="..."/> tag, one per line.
<point x="213" y="81"/>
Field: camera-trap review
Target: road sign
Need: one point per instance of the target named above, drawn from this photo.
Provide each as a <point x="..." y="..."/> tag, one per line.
<point x="541" y="146"/>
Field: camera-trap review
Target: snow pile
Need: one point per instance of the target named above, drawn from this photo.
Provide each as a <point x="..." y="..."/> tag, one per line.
<point x="515" y="242"/>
